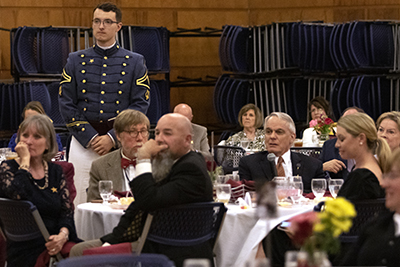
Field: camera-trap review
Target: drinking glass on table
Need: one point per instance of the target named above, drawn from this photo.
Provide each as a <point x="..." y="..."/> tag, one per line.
<point x="282" y="188"/>
<point x="245" y="143"/>
<point x="318" y="187"/>
<point x="296" y="192"/>
<point x="105" y="190"/>
<point x="223" y="192"/>
<point x="334" y="186"/>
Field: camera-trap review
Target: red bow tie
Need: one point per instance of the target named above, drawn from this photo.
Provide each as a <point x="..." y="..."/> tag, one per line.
<point x="126" y="162"/>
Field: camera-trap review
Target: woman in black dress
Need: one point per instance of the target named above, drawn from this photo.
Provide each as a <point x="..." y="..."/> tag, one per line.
<point x="32" y="176"/>
<point x="357" y="139"/>
<point x="379" y="242"/>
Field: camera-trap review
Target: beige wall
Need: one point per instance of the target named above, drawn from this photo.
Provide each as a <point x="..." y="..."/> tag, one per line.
<point x="190" y="57"/>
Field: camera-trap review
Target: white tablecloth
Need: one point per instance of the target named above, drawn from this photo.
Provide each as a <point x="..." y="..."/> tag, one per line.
<point x="238" y="240"/>
<point x="94" y="220"/>
<point x="243" y="231"/>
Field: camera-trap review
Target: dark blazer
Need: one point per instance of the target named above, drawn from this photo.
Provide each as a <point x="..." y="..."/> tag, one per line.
<point x="329" y="152"/>
<point x="257" y="167"/>
<point x="187" y="182"/>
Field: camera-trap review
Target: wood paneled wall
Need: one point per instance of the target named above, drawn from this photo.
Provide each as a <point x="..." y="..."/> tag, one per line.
<point x="190" y="57"/>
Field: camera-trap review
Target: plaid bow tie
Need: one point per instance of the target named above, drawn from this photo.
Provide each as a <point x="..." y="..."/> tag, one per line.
<point x="126" y="162"/>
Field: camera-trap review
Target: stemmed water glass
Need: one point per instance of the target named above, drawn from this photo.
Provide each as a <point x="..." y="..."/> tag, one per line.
<point x="223" y="192"/>
<point x="334" y="186"/>
<point x="296" y="192"/>
<point x="318" y="187"/>
<point x="245" y="143"/>
<point x="105" y="190"/>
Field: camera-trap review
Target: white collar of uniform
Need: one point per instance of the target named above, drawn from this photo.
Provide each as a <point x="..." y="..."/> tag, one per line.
<point x="286" y="158"/>
<point x="107" y="47"/>
<point x="396" y="219"/>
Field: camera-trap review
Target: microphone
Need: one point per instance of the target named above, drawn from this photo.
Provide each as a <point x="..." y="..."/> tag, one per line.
<point x="271" y="158"/>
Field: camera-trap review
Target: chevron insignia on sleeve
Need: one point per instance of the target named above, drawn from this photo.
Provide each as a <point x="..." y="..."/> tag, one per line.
<point x="66" y="77"/>
<point x="144" y="81"/>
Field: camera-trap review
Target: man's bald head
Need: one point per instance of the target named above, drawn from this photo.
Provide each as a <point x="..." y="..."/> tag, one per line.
<point x="174" y="130"/>
<point x="185" y="110"/>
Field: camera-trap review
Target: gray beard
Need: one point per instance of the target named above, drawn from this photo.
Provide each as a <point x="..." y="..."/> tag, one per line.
<point x="162" y="165"/>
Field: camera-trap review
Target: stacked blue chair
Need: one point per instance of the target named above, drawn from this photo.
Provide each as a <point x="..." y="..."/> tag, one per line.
<point x="39" y="50"/>
<point x="151" y="42"/>
<point x="55" y="114"/>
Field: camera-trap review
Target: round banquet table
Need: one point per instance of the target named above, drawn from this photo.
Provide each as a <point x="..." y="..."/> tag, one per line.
<point x="239" y="237"/>
<point x="242" y="232"/>
<point x="94" y="220"/>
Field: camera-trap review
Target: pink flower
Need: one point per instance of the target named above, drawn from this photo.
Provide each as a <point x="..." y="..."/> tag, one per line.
<point x="313" y="123"/>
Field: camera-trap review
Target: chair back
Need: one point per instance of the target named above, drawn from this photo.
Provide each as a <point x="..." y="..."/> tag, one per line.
<point x="116" y="260"/>
<point x="184" y="225"/>
<point x="21" y="221"/>
<point x="228" y="157"/>
<point x="366" y="211"/>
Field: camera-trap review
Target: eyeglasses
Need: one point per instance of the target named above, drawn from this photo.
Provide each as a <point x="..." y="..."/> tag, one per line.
<point x="106" y="22"/>
<point x="134" y="134"/>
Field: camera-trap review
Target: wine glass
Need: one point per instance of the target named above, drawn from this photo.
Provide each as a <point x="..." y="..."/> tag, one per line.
<point x="334" y="186"/>
<point x="297" y="192"/>
<point x="245" y="143"/>
<point x="105" y="190"/>
<point x="282" y="188"/>
<point x="318" y="187"/>
<point x="223" y="192"/>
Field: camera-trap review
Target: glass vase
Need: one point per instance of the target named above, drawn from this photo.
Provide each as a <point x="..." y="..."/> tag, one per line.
<point x="303" y="259"/>
<point x="322" y="138"/>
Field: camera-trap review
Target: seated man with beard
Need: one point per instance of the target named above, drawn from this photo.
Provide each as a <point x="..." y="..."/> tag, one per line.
<point x="131" y="128"/>
<point x="176" y="175"/>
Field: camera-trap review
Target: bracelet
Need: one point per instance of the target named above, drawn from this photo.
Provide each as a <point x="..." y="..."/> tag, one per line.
<point x="144" y="160"/>
<point x="23" y="167"/>
<point x="65" y="233"/>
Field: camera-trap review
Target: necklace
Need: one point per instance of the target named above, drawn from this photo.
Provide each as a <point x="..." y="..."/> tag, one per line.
<point x="46" y="177"/>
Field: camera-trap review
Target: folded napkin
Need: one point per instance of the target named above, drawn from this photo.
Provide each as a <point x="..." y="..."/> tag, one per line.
<point x="311" y="195"/>
<point x="120" y="194"/>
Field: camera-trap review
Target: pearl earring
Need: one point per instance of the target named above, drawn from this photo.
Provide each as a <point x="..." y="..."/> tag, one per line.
<point x="361" y="143"/>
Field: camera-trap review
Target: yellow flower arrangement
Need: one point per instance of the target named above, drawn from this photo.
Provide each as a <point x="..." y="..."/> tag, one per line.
<point x="325" y="227"/>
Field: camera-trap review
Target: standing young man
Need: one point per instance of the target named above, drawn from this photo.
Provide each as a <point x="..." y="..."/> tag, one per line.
<point x="97" y="84"/>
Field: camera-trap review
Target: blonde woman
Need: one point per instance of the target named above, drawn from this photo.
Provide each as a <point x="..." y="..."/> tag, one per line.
<point x="357" y="139"/>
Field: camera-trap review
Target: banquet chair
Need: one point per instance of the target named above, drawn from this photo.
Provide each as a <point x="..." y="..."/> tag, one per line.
<point x="228" y="157"/>
<point x="21" y="221"/>
<point x="69" y="173"/>
<point x="144" y="260"/>
<point x="366" y="211"/>
<point x="181" y="226"/>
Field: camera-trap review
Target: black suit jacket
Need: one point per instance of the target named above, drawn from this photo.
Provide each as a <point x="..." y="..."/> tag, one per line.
<point x="187" y="182"/>
<point x="257" y="167"/>
<point x="330" y="152"/>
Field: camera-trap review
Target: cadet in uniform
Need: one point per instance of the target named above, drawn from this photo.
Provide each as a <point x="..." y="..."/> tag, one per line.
<point x="97" y="84"/>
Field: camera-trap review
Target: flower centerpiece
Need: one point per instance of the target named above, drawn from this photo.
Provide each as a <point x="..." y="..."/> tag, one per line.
<point x="323" y="126"/>
<point x="318" y="232"/>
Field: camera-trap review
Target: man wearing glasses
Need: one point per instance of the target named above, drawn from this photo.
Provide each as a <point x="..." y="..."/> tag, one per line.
<point x="132" y="130"/>
<point x="98" y="83"/>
